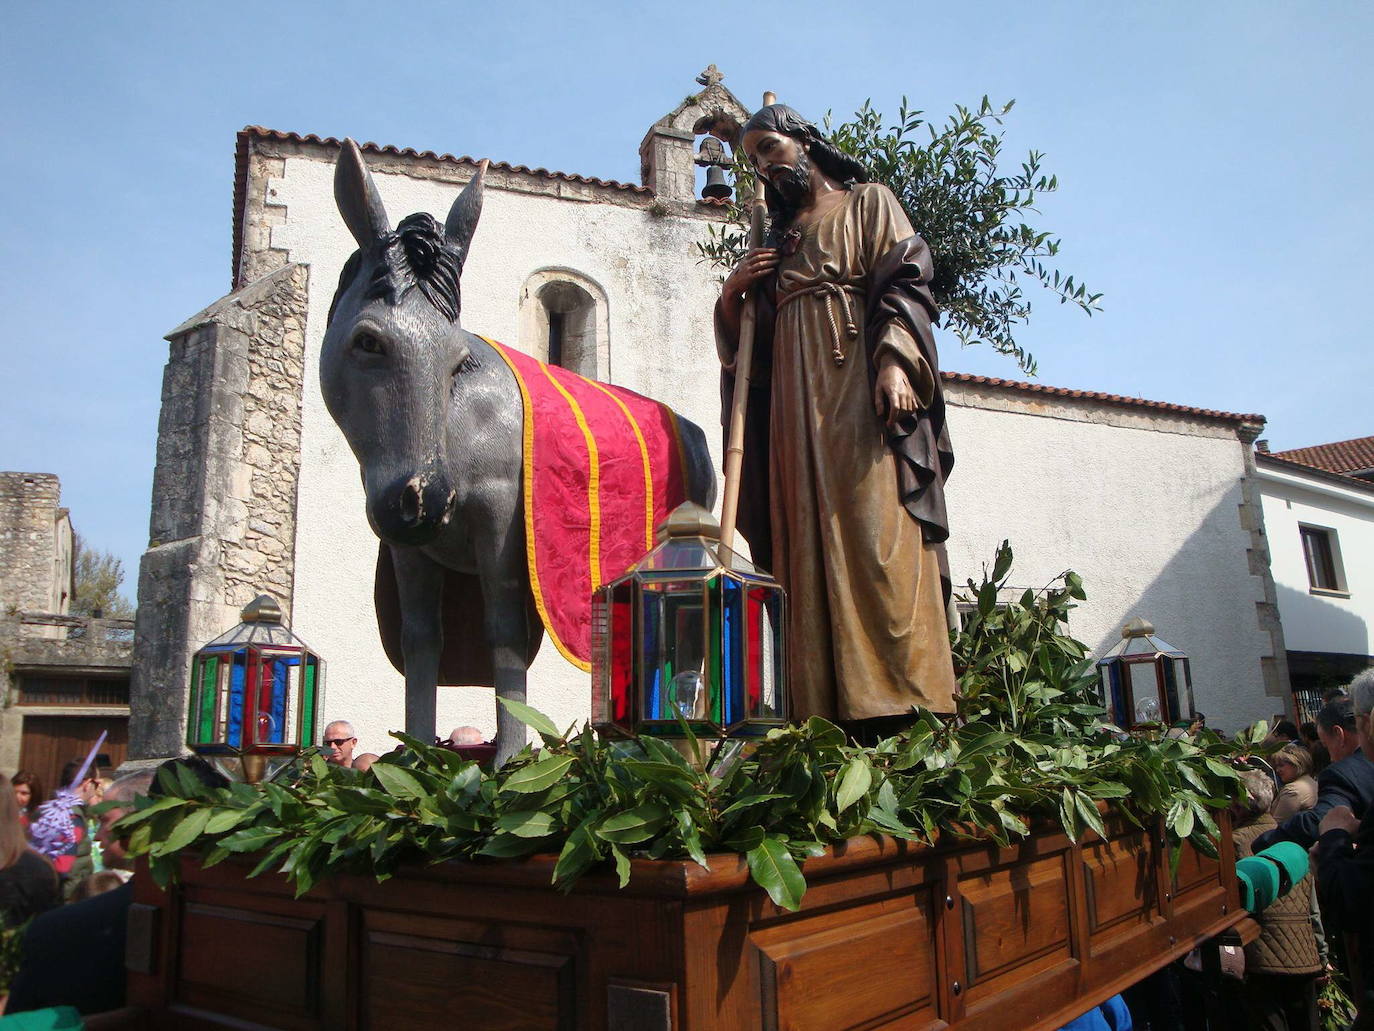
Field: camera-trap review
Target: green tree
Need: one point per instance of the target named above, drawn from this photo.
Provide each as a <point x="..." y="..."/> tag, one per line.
<point x="98" y="578"/>
<point x="971" y="213"/>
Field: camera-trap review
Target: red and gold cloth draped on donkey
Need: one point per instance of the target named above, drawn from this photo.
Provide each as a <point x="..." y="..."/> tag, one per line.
<point x="603" y="466"/>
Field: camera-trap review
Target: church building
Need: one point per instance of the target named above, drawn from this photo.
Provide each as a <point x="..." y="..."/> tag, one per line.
<point x="1154" y="504"/>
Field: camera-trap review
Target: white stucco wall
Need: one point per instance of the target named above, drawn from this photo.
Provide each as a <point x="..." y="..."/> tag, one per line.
<point x="659" y="303"/>
<point x="1145" y="509"/>
<point x="1143" y="506"/>
<point x="1320" y="621"/>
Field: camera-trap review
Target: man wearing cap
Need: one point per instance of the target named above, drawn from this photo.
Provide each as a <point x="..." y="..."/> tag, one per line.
<point x="842" y="494"/>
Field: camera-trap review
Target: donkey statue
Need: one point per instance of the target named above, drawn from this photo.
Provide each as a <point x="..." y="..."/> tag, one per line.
<point x="435" y="417"/>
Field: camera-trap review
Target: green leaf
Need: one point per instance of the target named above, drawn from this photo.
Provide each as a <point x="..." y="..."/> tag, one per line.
<point x="158" y="806"/>
<point x="622" y="865"/>
<point x="508" y="846"/>
<point x="367" y="801"/>
<point x="749" y="801"/>
<point x="1091" y="816"/>
<point x="1002" y="564"/>
<point x="1220" y="769"/>
<point x="577" y="855"/>
<point x="691" y="837"/>
<point x="745" y="840"/>
<point x="226" y="820"/>
<point x="638" y="824"/>
<point x="534" y="719"/>
<point x="191" y="787"/>
<point x="854" y="783"/>
<point x="250" y="839"/>
<point x="271" y="857"/>
<point x="537" y="776"/>
<point x="186" y="831"/>
<point x="775" y="871"/>
<point x="823" y="733"/>
<point x="1108" y="789"/>
<point x="398" y="782"/>
<point x="534" y="824"/>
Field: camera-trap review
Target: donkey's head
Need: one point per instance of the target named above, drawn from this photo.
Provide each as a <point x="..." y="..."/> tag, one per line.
<point x="393" y="348"/>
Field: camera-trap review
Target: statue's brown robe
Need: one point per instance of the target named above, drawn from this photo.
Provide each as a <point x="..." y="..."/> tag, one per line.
<point x="847" y="502"/>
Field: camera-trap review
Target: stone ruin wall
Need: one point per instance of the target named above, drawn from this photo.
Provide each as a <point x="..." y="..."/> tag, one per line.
<point x="258" y="551"/>
<point x="29" y="520"/>
<point x="223" y="522"/>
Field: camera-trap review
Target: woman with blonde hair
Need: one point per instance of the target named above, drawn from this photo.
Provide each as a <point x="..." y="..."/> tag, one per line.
<point x="1293" y="764"/>
<point x="28" y="882"/>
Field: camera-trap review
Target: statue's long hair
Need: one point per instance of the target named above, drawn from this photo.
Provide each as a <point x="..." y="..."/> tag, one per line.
<point x="417" y="254"/>
<point x="828" y="158"/>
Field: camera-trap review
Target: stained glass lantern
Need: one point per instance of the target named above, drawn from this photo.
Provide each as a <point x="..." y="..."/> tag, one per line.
<point x="692" y="630"/>
<point x="1145" y="680"/>
<point x="254" y="695"/>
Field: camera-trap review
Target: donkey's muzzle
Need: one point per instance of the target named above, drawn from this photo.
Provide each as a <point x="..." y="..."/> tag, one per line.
<point x="411" y="511"/>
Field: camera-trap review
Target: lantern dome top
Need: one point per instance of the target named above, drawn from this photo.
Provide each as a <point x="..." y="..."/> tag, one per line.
<point x="688" y="520"/>
<point x="262" y="609"/>
<point x="1140" y="643"/>
<point x="262" y="625"/>
<point x="689" y="540"/>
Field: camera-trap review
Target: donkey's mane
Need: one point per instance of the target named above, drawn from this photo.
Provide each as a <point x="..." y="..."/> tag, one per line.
<point x="418" y="253"/>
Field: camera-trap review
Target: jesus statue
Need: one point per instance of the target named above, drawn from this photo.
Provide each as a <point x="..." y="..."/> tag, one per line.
<point x="846" y="452"/>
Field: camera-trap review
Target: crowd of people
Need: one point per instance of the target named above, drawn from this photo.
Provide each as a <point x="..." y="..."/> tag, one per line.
<point x="1317" y="792"/>
<point x="58" y="858"/>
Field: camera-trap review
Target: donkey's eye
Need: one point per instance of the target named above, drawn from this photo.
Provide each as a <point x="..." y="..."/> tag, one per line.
<point x="368" y="344"/>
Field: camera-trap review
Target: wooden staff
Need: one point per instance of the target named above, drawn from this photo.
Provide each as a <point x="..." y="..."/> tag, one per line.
<point x="744" y="359"/>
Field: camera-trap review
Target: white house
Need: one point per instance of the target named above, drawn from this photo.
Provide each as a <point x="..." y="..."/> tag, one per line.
<point x="1319" y="515"/>
<point x="256" y="489"/>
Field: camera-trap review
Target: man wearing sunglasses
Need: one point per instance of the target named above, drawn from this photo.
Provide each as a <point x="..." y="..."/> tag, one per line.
<point x="339" y="742"/>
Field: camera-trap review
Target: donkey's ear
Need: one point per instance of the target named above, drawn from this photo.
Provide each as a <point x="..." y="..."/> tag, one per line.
<point x="466" y="210"/>
<point x="356" y="195"/>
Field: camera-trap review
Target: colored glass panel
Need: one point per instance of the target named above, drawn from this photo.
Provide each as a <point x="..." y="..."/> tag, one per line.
<point x="306" y="728"/>
<point x="233" y="724"/>
<point x="674" y="657"/>
<point x="734" y="630"/>
<point x="651" y="626"/>
<point x="622" y="655"/>
<point x="711" y="627"/>
<point x="772" y="700"/>
<point x="281" y="677"/>
<point x="209" y="692"/>
<point x="755" y="610"/>
<point x="601" y="656"/>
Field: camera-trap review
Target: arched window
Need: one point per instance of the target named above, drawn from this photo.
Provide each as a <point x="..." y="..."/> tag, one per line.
<point x="563" y="321"/>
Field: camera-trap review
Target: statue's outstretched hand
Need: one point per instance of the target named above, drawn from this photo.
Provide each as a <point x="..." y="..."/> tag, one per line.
<point x="892" y="394"/>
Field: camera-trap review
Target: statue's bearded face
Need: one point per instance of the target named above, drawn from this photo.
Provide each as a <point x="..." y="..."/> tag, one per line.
<point x="781" y="160"/>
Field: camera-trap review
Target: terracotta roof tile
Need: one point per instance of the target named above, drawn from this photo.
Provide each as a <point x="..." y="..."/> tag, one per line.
<point x="1282" y="462"/>
<point x="1344" y="456"/>
<point x="411" y="152"/>
<point x="1092" y="395"/>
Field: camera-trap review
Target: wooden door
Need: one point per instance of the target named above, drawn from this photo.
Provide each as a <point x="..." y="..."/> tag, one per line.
<point x="50" y="742"/>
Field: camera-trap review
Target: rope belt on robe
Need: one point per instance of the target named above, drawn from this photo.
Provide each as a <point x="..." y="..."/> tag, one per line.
<point x="834" y="292"/>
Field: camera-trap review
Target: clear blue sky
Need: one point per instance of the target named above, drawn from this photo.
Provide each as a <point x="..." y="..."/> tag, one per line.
<point x="1213" y="161"/>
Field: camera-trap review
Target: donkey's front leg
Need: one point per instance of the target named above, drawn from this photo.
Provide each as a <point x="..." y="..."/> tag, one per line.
<point x="420" y="584"/>
<point x="503" y="573"/>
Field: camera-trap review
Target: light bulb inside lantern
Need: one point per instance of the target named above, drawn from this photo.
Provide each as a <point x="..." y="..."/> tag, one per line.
<point x="685" y="693"/>
<point x="1147" y="710"/>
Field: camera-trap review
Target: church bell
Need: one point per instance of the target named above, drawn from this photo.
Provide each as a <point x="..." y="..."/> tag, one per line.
<point x="716" y="187"/>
